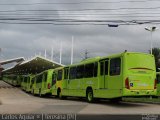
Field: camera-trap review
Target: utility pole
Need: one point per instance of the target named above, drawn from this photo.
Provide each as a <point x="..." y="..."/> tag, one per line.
<point x="86" y="54"/>
<point x="60" y="55"/>
<point x="151" y="30"/>
<point x="72" y="51"/>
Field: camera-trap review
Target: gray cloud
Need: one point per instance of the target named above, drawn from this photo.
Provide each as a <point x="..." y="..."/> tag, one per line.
<point x="100" y="40"/>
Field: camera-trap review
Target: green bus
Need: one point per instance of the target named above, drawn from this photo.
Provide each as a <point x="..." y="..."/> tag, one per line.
<point x="42" y="83"/>
<point x="112" y="77"/>
<point x="33" y="84"/>
<point x="28" y="83"/>
<point x="6" y="78"/>
<point x="24" y="82"/>
<point x="18" y="80"/>
<point x="57" y="78"/>
<point x="11" y="79"/>
<point x="14" y="80"/>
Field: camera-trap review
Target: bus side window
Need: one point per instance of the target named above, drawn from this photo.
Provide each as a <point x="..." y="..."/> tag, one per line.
<point x="102" y="68"/>
<point x="59" y="77"/>
<point x="21" y="78"/>
<point x="28" y="79"/>
<point x="25" y="80"/>
<point x="106" y="67"/>
<point x="115" y="65"/>
<point x="45" y="77"/>
<point x="32" y="81"/>
<point x="95" y="69"/>
<point x="39" y="79"/>
<point x="53" y="78"/>
<point x="72" y="73"/>
<point x="80" y="71"/>
<point x="89" y="70"/>
<point x="65" y="73"/>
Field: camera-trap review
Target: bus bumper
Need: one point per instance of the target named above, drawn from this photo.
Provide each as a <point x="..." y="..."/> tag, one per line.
<point x="127" y="92"/>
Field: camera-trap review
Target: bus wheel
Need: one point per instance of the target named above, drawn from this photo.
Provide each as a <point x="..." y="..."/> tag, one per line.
<point x="60" y="96"/>
<point x="90" y="96"/>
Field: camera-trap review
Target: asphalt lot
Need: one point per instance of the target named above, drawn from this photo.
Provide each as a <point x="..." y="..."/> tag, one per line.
<point x="15" y="101"/>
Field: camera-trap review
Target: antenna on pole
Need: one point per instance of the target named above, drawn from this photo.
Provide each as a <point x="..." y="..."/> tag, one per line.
<point x="72" y="51"/>
<point x="60" y="59"/>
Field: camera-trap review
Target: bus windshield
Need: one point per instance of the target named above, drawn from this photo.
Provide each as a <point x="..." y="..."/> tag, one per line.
<point x="140" y="61"/>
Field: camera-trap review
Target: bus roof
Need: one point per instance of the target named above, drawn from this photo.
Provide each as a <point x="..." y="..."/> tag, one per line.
<point x="89" y="60"/>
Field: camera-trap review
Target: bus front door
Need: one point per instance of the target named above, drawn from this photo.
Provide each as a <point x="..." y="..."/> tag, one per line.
<point x="66" y="79"/>
<point x="103" y="83"/>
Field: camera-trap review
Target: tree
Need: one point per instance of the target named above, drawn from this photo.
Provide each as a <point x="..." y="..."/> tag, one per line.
<point x="156" y="53"/>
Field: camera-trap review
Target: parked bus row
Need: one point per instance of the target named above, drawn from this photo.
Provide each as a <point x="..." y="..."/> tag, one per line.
<point x="112" y="77"/>
<point x="13" y="79"/>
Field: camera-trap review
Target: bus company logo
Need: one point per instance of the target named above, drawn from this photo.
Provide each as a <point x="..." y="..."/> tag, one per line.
<point x="143" y="84"/>
<point x="142" y="71"/>
<point x="131" y="84"/>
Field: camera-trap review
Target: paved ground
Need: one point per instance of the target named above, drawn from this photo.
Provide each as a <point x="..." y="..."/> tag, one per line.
<point x="14" y="100"/>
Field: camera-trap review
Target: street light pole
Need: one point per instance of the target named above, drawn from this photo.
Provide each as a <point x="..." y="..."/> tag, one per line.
<point x="151" y="29"/>
<point x="151" y="42"/>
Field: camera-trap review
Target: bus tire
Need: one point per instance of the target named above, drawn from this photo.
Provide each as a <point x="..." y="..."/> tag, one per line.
<point x="89" y="96"/>
<point x="59" y="94"/>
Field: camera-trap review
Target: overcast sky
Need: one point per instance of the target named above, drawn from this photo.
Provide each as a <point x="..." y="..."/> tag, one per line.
<point x="26" y="40"/>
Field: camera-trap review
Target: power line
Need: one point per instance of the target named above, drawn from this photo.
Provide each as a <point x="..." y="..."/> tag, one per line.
<point x="60" y="19"/>
<point x="96" y="16"/>
<point x="84" y="9"/>
<point x="71" y="21"/>
<point x="88" y="22"/>
<point x="71" y="16"/>
<point x="79" y="13"/>
<point x="90" y="2"/>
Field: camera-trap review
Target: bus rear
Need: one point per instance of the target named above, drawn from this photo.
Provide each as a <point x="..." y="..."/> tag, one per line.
<point x="139" y="75"/>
